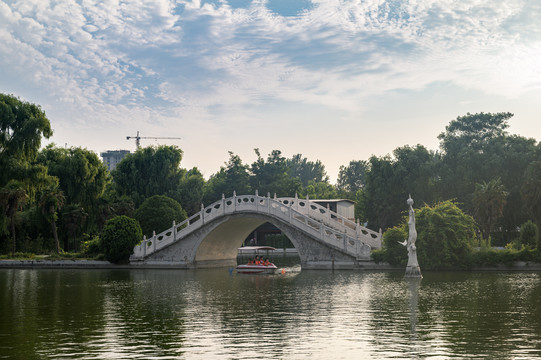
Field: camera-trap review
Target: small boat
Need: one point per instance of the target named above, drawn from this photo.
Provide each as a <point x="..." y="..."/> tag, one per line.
<point x="253" y="268"/>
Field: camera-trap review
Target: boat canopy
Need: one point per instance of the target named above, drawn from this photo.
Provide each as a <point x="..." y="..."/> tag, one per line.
<point x="256" y="248"/>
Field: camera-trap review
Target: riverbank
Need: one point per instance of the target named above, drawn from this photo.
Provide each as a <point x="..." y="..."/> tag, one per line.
<point x="101" y="264"/>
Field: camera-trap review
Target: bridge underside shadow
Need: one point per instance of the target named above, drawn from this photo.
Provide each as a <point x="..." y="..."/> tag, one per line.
<point x="216" y="245"/>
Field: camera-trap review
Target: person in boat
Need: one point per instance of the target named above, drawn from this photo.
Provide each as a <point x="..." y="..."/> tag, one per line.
<point x="250" y="262"/>
<point x="257" y="261"/>
<point x="267" y="262"/>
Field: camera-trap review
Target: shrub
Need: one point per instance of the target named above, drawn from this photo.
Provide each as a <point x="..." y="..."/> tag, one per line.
<point x="446" y="236"/>
<point x="395" y="253"/>
<point x="157" y="214"/>
<point x="528" y="234"/>
<point x="119" y="237"/>
<point x="91" y="247"/>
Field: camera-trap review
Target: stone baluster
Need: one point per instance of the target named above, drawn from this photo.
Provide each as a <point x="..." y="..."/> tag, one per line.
<point x="202" y="216"/>
<point x="144" y="243"/>
<point x="153" y="240"/>
<point x="307" y="206"/>
<point x="223" y="204"/>
<point x="268" y="203"/>
<point x="256" y="201"/>
<point x="290" y="212"/>
<point x="234" y="201"/>
<point x="174" y="231"/>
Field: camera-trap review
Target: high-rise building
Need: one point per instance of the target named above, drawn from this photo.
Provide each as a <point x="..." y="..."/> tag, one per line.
<point x="112" y="157"/>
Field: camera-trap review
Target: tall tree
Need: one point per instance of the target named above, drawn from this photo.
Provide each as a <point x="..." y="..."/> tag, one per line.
<point x="531" y="194"/>
<point x="82" y="178"/>
<point x="488" y="202"/>
<point x="52" y="200"/>
<point x="12" y="198"/>
<point x="272" y="176"/>
<point x="190" y="192"/>
<point x="22" y="126"/>
<point x="464" y="161"/>
<point x="390" y="180"/>
<point x="234" y="176"/>
<point x="306" y="171"/>
<point x="352" y="178"/>
<point x="149" y="171"/>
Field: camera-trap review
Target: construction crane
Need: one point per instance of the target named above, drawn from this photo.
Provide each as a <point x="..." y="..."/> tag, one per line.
<point x="138" y="139"/>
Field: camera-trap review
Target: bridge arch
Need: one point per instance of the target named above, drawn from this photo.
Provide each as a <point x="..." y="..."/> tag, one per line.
<point x="211" y="238"/>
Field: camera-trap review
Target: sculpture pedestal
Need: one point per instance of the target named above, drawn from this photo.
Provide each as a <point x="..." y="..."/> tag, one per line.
<point x="412" y="269"/>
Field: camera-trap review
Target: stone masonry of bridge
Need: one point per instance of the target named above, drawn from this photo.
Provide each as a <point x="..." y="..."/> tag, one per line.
<point x="210" y="238"/>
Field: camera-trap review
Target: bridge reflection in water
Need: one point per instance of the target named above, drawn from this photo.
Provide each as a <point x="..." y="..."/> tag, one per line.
<point x="210" y="238"/>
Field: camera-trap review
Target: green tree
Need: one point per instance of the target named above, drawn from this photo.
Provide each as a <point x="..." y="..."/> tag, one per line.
<point x="272" y="176"/>
<point x="234" y="176"/>
<point x="352" y="178"/>
<point x="319" y="190"/>
<point x="446" y="236"/>
<point x="190" y="192"/>
<point x="119" y="237"/>
<point x="306" y="171"/>
<point x="529" y="234"/>
<point x="395" y="252"/>
<point x="531" y="194"/>
<point x="465" y="160"/>
<point x="390" y="180"/>
<point x="157" y="214"/>
<point x="488" y="202"/>
<point x="12" y="198"/>
<point x="22" y="125"/>
<point x="149" y="171"/>
<point x="52" y="200"/>
<point x="83" y="179"/>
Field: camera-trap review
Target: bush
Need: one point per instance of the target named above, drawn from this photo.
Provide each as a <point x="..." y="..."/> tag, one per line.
<point x="157" y="214"/>
<point x="445" y="238"/>
<point x="528" y="234"/>
<point x="119" y="237"/>
<point x="395" y="253"/>
<point x="91" y="247"/>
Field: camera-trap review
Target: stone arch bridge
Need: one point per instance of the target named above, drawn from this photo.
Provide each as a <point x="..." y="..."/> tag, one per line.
<point x="210" y="238"/>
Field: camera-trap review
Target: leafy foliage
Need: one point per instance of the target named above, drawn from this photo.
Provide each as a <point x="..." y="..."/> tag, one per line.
<point x="119" y="237"/>
<point x="157" y="214"/>
<point x="446" y="236"/>
<point x="529" y="234"/>
<point x="488" y="202"/>
<point x="150" y="171"/>
<point x="394" y="252"/>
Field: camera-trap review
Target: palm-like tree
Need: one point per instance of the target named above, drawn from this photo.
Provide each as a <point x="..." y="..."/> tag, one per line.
<point x="488" y="202"/>
<point x="13" y="196"/>
<point x="531" y="194"/>
<point x="52" y="200"/>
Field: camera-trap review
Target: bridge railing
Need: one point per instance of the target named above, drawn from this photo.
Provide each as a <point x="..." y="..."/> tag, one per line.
<point x="312" y="218"/>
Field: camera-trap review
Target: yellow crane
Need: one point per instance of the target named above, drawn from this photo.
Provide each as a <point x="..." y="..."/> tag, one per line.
<point x="138" y="139"/>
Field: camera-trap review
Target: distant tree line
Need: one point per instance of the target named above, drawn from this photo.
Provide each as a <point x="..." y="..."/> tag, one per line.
<point x="57" y="199"/>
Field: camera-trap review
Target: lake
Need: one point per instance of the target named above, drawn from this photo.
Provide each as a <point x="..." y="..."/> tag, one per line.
<point x="218" y="314"/>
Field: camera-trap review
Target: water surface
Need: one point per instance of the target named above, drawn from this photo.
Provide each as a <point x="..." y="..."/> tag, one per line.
<point x="217" y="314"/>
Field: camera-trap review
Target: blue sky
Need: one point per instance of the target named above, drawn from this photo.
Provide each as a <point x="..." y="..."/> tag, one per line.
<point x="335" y="80"/>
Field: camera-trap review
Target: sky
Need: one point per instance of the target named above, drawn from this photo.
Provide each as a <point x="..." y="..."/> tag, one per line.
<point x="333" y="80"/>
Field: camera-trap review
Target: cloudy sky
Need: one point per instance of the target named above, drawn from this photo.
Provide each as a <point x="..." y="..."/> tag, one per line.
<point x="335" y="80"/>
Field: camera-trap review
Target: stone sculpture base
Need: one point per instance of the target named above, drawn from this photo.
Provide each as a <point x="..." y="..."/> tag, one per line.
<point x="412" y="269"/>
